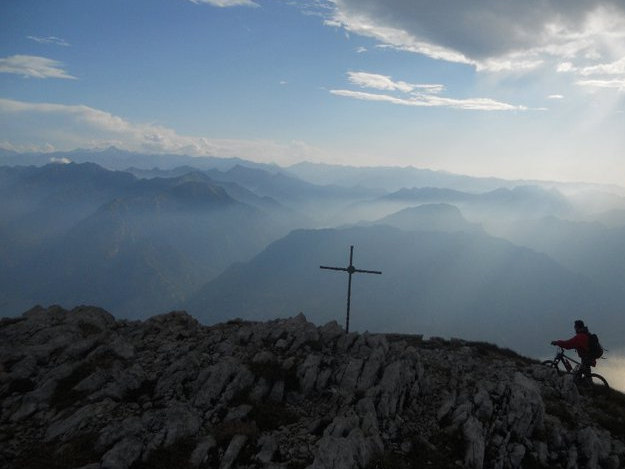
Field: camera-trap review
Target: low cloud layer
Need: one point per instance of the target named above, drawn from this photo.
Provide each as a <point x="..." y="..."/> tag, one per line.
<point x="66" y="127"/>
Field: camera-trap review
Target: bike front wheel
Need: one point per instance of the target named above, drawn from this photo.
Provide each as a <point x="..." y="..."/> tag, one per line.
<point x="553" y="364"/>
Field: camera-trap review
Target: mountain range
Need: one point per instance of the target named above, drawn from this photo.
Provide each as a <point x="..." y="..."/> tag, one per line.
<point x="445" y="283"/>
<point x="76" y="233"/>
<point x="512" y="262"/>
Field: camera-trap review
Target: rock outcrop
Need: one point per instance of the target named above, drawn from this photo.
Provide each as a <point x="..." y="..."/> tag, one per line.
<point x="81" y="389"/>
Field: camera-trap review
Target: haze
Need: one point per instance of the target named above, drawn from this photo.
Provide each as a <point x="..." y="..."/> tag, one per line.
<point x="494" y="88"/>
<point x="471" y="151"/>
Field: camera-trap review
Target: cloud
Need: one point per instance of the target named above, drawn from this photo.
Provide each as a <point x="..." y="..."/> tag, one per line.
<point x="57" y="41"/>
<point x="476" y="104"/>
<point x="418" y="95"/>
<point x="492" y="35"/>
<point x="60" y="160"/>
<point x="614" y="68"/>
<point x="383" y="82"/>
<point x="617" y="84"/>
<point x="26" y="126"/>
<point x="33" y="66"/>
<point x="228" y="3"/>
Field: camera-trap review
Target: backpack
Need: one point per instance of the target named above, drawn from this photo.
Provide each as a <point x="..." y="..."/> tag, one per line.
<point x="595" y="350"/>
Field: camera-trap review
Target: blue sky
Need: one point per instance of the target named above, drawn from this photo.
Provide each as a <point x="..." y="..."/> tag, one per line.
<point x="489" y="87"/>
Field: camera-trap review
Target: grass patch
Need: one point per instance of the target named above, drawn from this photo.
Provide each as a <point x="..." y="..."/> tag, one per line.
<point x="75" y="453"/>
<point x="64" y="395"/>
<point x="449" y="449"/>
<point x="483" y="349"/>
<point x="271" y="415"/>
<point x="21" y="386"/>
<point x="146" y="389"/>
<point x="315" y="345"/>
<point x="531" y="462"/>
<point x="609" y="411"/>
<point x="87" y="329"/>
<point x="4" y="322"/>
<point x="558" y="409"/>
<point x="273" y="371"/>
<point x="298" y="464"/>
<point x="174" y="456"/>
<point x="226" y="430"/>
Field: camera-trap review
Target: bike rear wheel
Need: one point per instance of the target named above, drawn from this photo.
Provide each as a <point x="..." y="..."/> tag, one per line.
<point x="593" y="385"/>
<point x="598" y="380"/>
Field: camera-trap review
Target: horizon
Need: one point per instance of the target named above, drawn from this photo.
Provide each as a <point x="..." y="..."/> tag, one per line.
<point x="511" y="92"/>
<point x="68" y="153"/>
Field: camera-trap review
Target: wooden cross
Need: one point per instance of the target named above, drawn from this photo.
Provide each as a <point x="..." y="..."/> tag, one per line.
<point x="350" y="270"/>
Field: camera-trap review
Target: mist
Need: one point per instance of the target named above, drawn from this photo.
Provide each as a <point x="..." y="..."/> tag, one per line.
<point x="613" y="369"/>
<point x="509" y="262"/>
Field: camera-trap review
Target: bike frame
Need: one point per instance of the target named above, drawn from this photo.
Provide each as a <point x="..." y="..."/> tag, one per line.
<point x="562" y="357"/>
<point x="581" y="373"/>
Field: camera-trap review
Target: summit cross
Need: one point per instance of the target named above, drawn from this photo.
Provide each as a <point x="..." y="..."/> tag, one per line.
<point x="350" y="270"/>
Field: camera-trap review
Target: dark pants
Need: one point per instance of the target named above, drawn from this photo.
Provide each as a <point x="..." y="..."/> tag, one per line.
<point x="583" y="373"/>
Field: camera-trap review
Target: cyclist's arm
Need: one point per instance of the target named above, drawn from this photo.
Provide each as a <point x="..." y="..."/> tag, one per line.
<point x="573" y="343"/>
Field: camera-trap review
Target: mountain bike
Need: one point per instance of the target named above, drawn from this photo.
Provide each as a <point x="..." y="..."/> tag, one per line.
<point x="583" y="379"/>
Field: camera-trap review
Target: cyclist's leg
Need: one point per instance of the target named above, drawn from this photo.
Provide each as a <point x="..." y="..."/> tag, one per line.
<point x="584" y="372"/>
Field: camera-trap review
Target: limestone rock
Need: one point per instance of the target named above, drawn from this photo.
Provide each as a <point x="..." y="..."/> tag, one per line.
<point x="94" y="391"/>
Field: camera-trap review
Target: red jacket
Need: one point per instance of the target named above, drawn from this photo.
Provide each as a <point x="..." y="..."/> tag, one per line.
<point x="579" y="342"/>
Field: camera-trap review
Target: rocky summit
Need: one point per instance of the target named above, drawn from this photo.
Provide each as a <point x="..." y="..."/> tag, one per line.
<point x="81" y="389"/>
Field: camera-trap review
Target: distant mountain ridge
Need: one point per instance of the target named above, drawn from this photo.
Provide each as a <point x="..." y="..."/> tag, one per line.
<point x="459" y="284"/>
<point x="75" y="233"/>
<point x="117" y="159"/>
<point x="172" y="231"/>
<point x="388" y="178"/>
<point x="430" y="217"/>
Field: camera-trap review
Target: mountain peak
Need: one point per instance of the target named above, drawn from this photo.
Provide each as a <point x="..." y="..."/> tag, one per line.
<point x="87" y="390"/>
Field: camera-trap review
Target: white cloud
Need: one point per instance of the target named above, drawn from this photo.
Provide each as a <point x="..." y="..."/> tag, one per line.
<point x="555" y="96"/>
<point x="57" y="41"/>
<point x="614" y="68"/>
<point x="60" y="160"/>
<point x="419" y="95"/>
<point x="48" y="127"/>
<point x="565" y="67"/>
<point x="384" y="82"/>
<point x="492" y="35"/>
<point x="607" y="76"/>
<point x="617" y="84"/>
<point x="424" y="100"/>
<point x="33" y="66"/>
<point x="379" y="82"/>
<point x="228" y="3"/>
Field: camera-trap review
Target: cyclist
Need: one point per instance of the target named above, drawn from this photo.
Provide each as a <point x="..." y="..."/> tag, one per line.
<point x="579" y="342"/>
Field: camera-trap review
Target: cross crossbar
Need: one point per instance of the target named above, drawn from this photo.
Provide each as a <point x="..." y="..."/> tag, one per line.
<point x="350" y="270"/>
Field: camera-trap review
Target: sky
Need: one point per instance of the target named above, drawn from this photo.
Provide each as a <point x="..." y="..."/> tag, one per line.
<point x="531" y="90"/>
